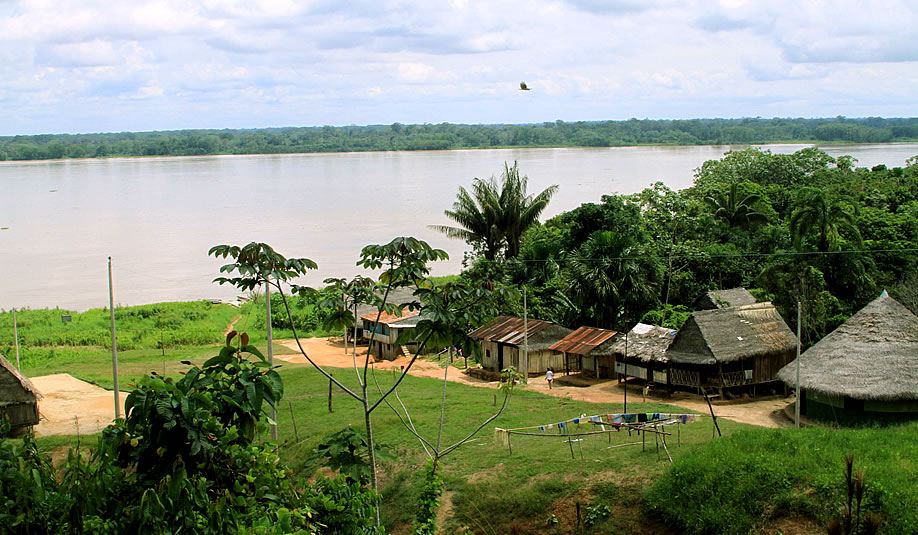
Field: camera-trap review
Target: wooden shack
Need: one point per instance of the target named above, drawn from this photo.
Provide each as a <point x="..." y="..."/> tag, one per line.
<point x="383" y="332"/>
<point x="864" y="371"/>
<point x="731" y="348"/>
<point x="642" y="353"/>
<point x="588" y="350"/>
<point x="504" y="340"/>
<point x="18" y="398"/>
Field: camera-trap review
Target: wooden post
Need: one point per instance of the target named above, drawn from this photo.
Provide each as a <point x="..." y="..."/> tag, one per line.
<point x="111" y="310"/>
<point x="330" y="394"/>
<point x="293" y="419"/>
<point x="16" y="336"/>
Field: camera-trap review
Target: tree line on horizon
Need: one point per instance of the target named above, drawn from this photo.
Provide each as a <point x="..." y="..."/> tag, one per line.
<point x="447" y="136"/>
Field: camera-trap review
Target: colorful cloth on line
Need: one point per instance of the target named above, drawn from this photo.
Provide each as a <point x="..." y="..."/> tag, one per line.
<point x="616" y="419"/>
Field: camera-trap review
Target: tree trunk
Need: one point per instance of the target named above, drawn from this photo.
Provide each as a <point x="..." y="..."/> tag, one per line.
<point x="372" y="450"/>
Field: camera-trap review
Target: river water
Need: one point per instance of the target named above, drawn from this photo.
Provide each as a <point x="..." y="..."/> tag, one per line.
<point x="157" y="217"/>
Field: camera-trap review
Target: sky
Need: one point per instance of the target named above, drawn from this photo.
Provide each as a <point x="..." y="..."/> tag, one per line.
<point x="132" y="65"/>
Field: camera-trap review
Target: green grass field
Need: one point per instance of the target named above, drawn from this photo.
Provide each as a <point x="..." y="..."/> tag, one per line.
<point x="737" y="484"/>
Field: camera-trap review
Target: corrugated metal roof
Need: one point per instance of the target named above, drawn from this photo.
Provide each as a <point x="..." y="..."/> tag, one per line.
<point x="509" y="330"/>
<point x="583" y="340"/>
<point x="387" y="318"/>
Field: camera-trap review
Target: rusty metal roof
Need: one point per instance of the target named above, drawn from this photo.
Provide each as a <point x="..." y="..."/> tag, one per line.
<point x="387" y="318"/>
<point x="583" y="340"/>
<point x="509" y="330"/>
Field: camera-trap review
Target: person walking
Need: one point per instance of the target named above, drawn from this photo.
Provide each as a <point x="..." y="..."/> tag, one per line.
<point x="549" y="376"/>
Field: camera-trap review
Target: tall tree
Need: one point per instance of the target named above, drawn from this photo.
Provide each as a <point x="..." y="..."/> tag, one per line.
<point x="494" y="216"/>
<point x="611" y="279"/>
<point x="816" y="213"/>
<point x="735" y="209"/>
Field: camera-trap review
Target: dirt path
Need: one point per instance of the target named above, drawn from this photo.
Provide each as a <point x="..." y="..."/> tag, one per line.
<point x="70" y="406"/>
<point x="331" y="353"/>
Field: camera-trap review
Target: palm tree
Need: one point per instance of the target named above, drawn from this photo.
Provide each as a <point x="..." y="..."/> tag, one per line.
<point x="495" y="216"/>
<point x="519" y="211"/>
<point x="827" y="217"/>
<point x="608" y="277"/>
<point x="734" y="211"/>
<point x="477" y="214"/>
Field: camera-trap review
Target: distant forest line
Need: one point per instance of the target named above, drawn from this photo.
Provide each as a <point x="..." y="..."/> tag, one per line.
<point x="447" y="136"/>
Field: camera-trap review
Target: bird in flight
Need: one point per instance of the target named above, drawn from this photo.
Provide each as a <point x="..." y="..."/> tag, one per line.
<point x="524" y="87"/>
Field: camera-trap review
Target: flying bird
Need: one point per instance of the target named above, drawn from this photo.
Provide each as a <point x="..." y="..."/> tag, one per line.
<point x="524" y="87"/>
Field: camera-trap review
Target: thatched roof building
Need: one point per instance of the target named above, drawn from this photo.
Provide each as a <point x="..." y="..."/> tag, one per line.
<point x="645" y="343"/>
<point x="728" y="347"/>
<point x="504" y="340"/>
<point x="18" y="397"/>
<point x="866" y="369"/>
<point x="734" y="297"/>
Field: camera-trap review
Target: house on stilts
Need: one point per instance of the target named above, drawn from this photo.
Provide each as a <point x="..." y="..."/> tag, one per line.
<point x="389" y="334"/>
<point x="18" y="398"/>
<point x="864" y="371"/>
<point x="642" y="353"/>
<point x="731" y="349"/>
<point x="504" y="340"/>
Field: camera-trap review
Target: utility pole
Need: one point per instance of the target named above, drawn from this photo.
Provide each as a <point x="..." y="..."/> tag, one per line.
<point x="797" y="382"/>
<point x="16" y="336"/>
<point x="625" y="410"/>
<point x="525" y="363"/>
<point x="111" y="313"/>
<point x="271" y="353"/>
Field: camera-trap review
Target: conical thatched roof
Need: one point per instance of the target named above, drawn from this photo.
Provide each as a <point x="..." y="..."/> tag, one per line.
<point x="873" y="355"/>
<point x="645" y="342"/>
<point x="733" y="333"/>
<point x="734" y="297"/>
<point x="15" y="388"/>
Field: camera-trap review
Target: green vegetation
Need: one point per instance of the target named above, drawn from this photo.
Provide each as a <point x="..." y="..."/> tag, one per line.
<point x="458" y="136"/>
<point x="737" y="484"/>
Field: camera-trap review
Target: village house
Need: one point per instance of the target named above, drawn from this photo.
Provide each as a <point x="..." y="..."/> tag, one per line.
<point x="18" y="398"/>
<point x="642" y="353"/>
<point x="864" y="371"/>
<point x="734" y="297"/>
<point x="733" y="348"/>
<point x="504" y="340"/>
<point x="383" y="332"/>
<point x="587" y="350"/>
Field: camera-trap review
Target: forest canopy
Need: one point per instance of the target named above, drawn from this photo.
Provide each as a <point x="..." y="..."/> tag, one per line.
<point x="447" y="136"/>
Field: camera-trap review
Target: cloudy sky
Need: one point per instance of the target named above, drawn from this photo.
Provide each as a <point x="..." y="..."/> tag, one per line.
<point x="116" y="65"/>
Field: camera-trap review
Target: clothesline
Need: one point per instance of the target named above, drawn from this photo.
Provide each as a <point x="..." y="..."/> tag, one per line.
<point x="614" y="418"/>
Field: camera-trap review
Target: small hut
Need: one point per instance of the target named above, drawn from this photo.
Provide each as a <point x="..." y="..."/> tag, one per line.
<point x="864" y="371"/>
<point x="397" y="296"/>
<point x="733" y="347"/>
<point x="504" y="340"/>
<point x="18" y="398"/>
<point x="588" y="349"/>
<point x="643" y="353"/>
<point x="734" y="297"/>
<point x="383" y="331"/>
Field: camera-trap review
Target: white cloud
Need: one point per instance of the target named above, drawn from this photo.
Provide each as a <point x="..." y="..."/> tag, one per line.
<point x="194" y="63"/>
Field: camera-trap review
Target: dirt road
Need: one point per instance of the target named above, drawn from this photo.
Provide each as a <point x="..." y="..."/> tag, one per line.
<point x="72" y="406"/>
<point x="759" y="412"/>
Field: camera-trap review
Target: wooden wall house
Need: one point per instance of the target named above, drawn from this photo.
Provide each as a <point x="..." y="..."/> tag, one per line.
<point x="18" y="398"/>
<point x="642" y="353"/>
<point x="731" y="348"/>
<point x="864" y="371"/>
<point x="504" y="340"/>
<point x="383" y="331"/>
<point x="587" y="350"/>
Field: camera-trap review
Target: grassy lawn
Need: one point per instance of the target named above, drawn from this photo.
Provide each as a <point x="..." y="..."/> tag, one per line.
<point x="737" y="484"/>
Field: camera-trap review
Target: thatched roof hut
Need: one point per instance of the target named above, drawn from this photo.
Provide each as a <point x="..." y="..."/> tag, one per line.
<point x="18" y="397"/>
<point x="729" y="334"/>
<point x="647" y="343"/>
<point x="734" y="297"/>
<point x="734" y="346"/>
<point x="868" y="364"/>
